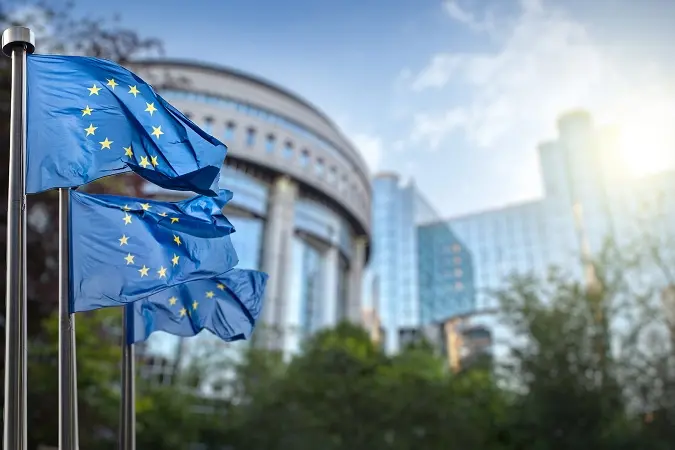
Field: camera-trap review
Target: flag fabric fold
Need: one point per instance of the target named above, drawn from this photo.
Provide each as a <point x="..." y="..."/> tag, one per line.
<point x="124" y="249"/>
<point x="227" y="305"/>
<point x="88" y="118"/>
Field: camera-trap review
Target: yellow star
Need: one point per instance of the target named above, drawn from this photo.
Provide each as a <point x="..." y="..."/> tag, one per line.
<point x="175" y="259"/>
<point x="94" y="90"/>
<point x="144" y="271"/>
<point x="105" y="144"/>
<point x="210" y="294"/>
<point x="174" y="219"/>
<point x="220" y="286"/>
<point x="157" y="131"/>
<point x="151" y="108"/>
<point x="172" y="301"/>
<point x="145" y="206"/>
<point x="126" y="208"/>
<point x="128" y="152"/>
<point x="163" y="214"/>
<point x="183" y="312"/>
<point x="133" y="90"/>
<point x="124" y="240"/>
<point x="161" y="272"/>
<point x="144" y="162"/>
<point x="112" y="83"/>
<point x="176" y="239"/>
<point x="195" y="304"/>
<point x="129" y="258"/>
<point x="91" y="129"/>
<point x="127" y="219"/>
<point x="153" y="160"/>
<point x="87" y="111"/>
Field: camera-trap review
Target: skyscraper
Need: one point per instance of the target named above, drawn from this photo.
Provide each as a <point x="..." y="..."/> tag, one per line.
<point x="462" y="261"/>
<point x="397" y="211"/>
<point x="586" y="202"/>
<point x="446" y="277"/>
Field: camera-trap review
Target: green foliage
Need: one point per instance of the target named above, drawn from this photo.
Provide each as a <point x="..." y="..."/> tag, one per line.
<point x="561" y="390"/>
<point x="98" y="358"/>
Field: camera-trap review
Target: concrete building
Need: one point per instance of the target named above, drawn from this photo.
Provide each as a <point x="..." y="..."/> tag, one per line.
<point x="302" y="194"/>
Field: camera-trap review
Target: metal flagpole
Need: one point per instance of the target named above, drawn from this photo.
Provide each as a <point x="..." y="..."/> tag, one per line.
<point x="127" y="438"/>
<point x="68" y="426"/>
<point x="17" y="42"/>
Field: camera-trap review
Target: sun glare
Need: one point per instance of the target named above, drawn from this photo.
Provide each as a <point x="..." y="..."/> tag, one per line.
<point x="647" y="139"/>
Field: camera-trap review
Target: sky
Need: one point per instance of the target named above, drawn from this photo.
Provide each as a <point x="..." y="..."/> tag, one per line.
<point x="453" y="94"/>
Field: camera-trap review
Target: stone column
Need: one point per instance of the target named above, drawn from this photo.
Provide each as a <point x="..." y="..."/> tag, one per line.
<point x="329" y="307"/>
<point x="354" y="305"/>
<point x="277" y="253"/>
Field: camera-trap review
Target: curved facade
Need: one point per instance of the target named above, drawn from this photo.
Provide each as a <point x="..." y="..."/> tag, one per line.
<point x="302" y="195"/>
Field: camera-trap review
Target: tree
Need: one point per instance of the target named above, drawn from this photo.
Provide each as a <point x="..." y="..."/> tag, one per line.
<point x="98" y="359"/>
<point x="342" y="392"/>
<point x="581" y="362"/>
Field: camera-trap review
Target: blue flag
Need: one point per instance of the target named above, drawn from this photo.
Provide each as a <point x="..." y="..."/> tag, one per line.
<point x="88" y="118"/>
<point x="228" y="306"/>
<point x="124" y="249"/>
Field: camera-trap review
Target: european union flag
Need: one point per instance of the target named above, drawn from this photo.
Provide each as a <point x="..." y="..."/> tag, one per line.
<point x="88" y="118"/>
<point x="228" y="306"/>
<point x="124" y="249"/>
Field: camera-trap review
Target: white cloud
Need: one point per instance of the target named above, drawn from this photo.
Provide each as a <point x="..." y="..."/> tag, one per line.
<point x="463" y="15"/>
<point x="546" y="64"/>
<point x="434" y="128"/>
<point x="370" y="148"/>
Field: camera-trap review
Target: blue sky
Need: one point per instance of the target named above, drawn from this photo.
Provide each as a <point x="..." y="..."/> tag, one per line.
<point x="454" y="94"/>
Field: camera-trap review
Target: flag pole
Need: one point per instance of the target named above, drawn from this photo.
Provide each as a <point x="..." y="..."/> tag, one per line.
<point x="17" y="42"/>
<point x="68" y="418"/>
<point x="127" y="438"/>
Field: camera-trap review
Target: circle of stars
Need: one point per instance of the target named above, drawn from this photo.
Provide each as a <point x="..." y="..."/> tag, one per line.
<point x="106" y="143"/>
<point x="130" y="260"/>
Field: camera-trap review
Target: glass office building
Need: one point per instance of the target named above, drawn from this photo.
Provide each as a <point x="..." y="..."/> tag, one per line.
<point x="588" y="200"/>
<point x="397" y="211"/>
<point x="302" y="196"/>
<point x="446" y="277"/>
<point x="462" y="261"/>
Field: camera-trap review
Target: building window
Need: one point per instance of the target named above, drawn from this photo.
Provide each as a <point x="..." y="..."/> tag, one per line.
<point x="250" y="137"/>
<point x="456" y="248"/>
<point x="269" y="143"/>
<point x="332" y="175"/>
<point x="229" y="131"/>
<point x="208" y="125"/>
<point x="457" y="260"/>
<point x="288" y="150"/>
<point x="258" y="113"/>
<point x="319" y="166"/>
<point x="458" y="272"/>
<point x="459" y="286"/>
<point x="304" y="158"/>
<point x="345" y="183"/>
